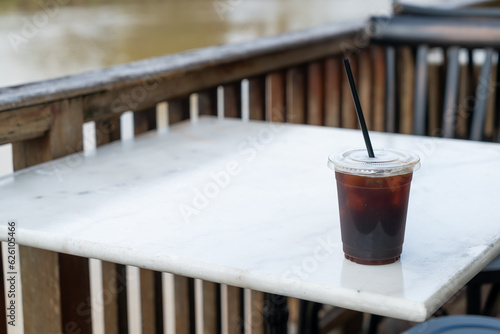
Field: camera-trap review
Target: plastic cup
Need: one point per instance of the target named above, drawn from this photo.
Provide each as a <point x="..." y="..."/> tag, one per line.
<point x="373" y="198"/>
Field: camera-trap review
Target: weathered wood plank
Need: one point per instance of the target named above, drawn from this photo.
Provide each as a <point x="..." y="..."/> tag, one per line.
<point x="295" y="96"/>
<point x="41" y="294"/>
<point x="348" y="117"/>
<point x="451" y="92"/>
<point x="207" y="102"/>
<point x="435" y="97"/>
<point x="333" y="89"/>
<point x="235" y="309"/>
<point x="75" y="293"/>
<point x="148" y="301"/>
<point x="211" y="308"/>
<point x="490" y="121"/>
<point x="257" y="98"/>
<point x="365" y="85"/>
<point x="275" y="97"/>
<point x="144" y="120"/>
<point x="26" y="123"/>
<point x="184" y="305"/>
<point x="110" y="297"/>
<point x="379" y="88"/>
<point x="107" y="130"/>
<point x="178" y="110"/>
<point x="257" y="323"/>
<point x="420" y="96"/>
<point x="406" y="88"/>
<point x="463" y="112"/>
<point x="232" y="100"/>
<point x="390" y="102"/>
<point x="315" y="94"/>
<point x="198" y="70"/>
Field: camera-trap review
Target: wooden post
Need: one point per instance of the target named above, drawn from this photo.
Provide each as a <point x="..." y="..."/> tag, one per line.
<point x="144" y="120"/>
<point x="435" y="96"/>
<point x="315" y="93"/>
<point x="406" y="84"/>
<point x="235" y="309"/>
<point x="257" y="97"/>
<point x="365" y="85"/>
<point x="379" y="88"/>
<point x="45" y="300"/>
<point x="184" y="305"/>
<point x="148" y="301"/>
<point x="275" y="97"/>
<point x="257" y="318"/>
<point x="295" y="96"/>
<point x="333" y="91"/>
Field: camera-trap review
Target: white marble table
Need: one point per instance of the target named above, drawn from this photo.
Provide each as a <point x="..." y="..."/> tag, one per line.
<point x="254" y="205"/>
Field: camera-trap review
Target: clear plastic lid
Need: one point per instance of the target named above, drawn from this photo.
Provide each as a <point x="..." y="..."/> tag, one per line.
<point x="386" y="162"/>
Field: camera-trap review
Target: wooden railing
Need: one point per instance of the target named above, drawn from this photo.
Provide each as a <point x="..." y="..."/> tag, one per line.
<point x="296" y="78"/>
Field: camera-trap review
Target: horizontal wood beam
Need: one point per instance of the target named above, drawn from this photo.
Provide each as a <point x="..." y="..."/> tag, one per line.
<point x="25" y="123"/>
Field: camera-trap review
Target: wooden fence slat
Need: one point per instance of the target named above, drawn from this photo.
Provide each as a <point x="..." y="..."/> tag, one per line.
<point x="333" y="90"/>
<point x="257" y="97"/>
<point x="463" y="112"/>
<point x="406" y="88"/>
<point x="295" y="96"/>
<point x="211" y="308"/>
<point x="275" y="97"/>
<point x="489" y="126"/>
<point x="41" y="294"/>
<point x="25" y="123"/>
<point x="178" y="110"/>
<point x="107" y="130"/>
<point x="75" y="293"/>
<point x="315" y="93"/>
<point x="365" y="85"/>
<point x="348" y="117"/>
<point x="232" y="100"/>
<point x="257" y="309"/>
<point x="379" y="88"/>
<point x="390" y="102"/>
<point x="435" y="98"/>
<point x="148" y="301"/>
<point x="235" y="309"/>
<point x="184" y="305"/>
<point x="207" y="102"/>
<point x="110" y="297"/>
<point x="420" y="95"/>
<point x="144" y="120"/>
<point x="451" y="92"/>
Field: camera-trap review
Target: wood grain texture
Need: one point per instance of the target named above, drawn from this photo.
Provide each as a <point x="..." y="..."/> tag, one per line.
<point x="296" y="95"/>
<point x="24" y="123"/>
<point x="333" y="91"/>
<point x="107" y="130"/>
<point x="211" y="308"/>
<point x="257" y="98"/>
<point x="348" y="117"/>
<point x="379" y="88"/>
<point x="315" y="93"/>
<point x="463" y="112"/>
<point x="257" y="318"/>
<point x="148" y="301"/>
<point x="406" y="88"/>
<point x="275" y="97"/>
<point x="365" y="85"/>
<point x="232" y="100"/>
<point x="41" y="294"/>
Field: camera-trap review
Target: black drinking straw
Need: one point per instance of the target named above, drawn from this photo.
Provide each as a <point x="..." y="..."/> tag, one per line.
<point x="359" y="111"/>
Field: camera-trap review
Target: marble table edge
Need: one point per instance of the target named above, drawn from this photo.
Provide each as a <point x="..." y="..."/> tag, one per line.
<point x="336" y="296"/>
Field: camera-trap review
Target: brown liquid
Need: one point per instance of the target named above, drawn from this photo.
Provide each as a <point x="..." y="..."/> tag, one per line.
<point x="373" y="216"/>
